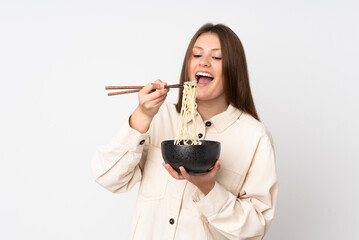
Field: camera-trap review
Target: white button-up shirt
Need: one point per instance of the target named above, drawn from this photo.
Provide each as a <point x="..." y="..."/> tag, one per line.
<point x="241" y="204"/>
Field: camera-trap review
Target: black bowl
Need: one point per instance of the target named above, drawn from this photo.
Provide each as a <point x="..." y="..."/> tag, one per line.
<point x="196" y="159"/>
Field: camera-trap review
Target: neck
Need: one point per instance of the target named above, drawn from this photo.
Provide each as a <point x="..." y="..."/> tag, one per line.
<point x="208" y="109"/>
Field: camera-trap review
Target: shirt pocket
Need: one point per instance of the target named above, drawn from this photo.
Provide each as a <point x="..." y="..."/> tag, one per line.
<point x="230" y="180"/>
<point x="154" y="175"/>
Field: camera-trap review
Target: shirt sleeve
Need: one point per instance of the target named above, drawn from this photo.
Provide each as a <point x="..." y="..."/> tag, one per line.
<point x="117" y="165"/>
<point x="249" y="215"/>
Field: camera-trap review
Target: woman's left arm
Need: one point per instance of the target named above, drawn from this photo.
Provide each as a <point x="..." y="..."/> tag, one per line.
<point x="248" y="215"/>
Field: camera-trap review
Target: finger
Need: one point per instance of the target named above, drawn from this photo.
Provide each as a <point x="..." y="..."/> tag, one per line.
<point x="159" y="99"/>
<point x="154" y="103"/>
<point x="172" y="172"/>
<point x="154" y="94"/>
<point x="218" y="164"/>
<point x="184" y="173"/>
<point x="164" y="90"/>
<point x="160" y="84"/>
<point x="147" y="89"/>
<point x="159" y="92"/>
<point x="153" y="97"/>
<point x="216" y="167"/>
<point x="159" y="104"/>
<point x="150" y="103"/>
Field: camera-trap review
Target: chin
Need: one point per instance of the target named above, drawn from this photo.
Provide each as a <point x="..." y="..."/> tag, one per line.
<point x="202" y="98"/>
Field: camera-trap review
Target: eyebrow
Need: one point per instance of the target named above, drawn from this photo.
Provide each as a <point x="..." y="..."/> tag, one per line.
<point x="213" y="49"/>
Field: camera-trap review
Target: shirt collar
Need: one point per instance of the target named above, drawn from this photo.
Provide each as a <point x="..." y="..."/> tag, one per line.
<point x="222" y="120"/>
<point x="225" y="119"/>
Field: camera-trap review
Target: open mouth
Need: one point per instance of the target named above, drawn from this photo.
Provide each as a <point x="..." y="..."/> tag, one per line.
<point x="203" y="78"/>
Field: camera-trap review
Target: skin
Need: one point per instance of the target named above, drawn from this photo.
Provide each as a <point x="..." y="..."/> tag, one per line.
<point x="150" y="102"/>
<point x="207" y="57"/>
<point x="211" y="100"/>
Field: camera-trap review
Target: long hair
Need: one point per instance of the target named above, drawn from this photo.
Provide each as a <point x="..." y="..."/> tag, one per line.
<point x="235" y="73"/>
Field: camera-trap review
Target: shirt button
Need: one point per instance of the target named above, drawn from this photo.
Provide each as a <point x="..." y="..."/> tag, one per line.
<point x="200" y="135"/>
<point x="142" y="142"/>
<point x="208" y="124"/>
<point x="172" y="221"/>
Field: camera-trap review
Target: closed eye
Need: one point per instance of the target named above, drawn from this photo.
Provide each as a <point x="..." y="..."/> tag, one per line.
<point x="196" y="56"/>
<point x="217" y="58"/>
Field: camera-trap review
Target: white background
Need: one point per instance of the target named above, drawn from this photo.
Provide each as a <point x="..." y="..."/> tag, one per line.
<point x="56" y="57"/>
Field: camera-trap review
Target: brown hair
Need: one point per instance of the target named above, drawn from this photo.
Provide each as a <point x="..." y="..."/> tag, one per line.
<point x="235" y="73"/>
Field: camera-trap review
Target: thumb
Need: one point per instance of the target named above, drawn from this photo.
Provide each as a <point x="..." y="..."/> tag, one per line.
<point x="217" y="166"/>
<point x="158" y="84"/>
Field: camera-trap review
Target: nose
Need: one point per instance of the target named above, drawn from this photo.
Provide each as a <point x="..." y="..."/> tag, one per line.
<point x="204" y="62"/>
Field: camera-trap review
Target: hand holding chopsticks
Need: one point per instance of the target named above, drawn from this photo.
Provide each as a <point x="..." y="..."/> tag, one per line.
<point x="134" y="89"/>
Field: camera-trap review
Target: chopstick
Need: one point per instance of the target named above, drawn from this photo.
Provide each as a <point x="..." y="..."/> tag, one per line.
<point x="123" y="92"/>
<point x="140" y="87"/>
<point x="136" y="89"/>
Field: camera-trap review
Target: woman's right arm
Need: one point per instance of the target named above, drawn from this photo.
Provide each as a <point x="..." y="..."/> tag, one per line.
<point x="117" y="166"/>
<point x="150" y="102"/>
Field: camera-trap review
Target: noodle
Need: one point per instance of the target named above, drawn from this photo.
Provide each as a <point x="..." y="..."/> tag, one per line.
<point x="188" y="112"/>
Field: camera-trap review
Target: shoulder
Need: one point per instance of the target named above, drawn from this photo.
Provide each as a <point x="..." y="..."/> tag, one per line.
<point x="254" y="128"/>
<point x="252" y="123"/>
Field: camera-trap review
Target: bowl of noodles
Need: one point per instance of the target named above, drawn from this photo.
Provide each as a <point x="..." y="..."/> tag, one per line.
<point x="196" y="156"/>
<point x="196" y="159"/>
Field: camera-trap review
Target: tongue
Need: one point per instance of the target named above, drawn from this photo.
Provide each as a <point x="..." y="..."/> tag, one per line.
<point x="204" y="80"/>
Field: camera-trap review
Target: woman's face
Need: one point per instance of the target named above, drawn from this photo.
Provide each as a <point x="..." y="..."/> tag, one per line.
<point x="205" y="67"/>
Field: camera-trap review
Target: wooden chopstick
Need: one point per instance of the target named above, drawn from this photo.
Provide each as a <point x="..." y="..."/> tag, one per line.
<point x="122" y="92"/>
<point x="123" y="87"/>
<point x="140" y="87"/>
<point x="137" y="89"/>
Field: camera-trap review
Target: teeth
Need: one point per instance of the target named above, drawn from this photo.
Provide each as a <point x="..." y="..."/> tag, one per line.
<point x="203" y="74"/>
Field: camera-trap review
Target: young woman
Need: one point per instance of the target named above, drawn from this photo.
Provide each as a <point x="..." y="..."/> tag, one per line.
<point x="236" y="199"/>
